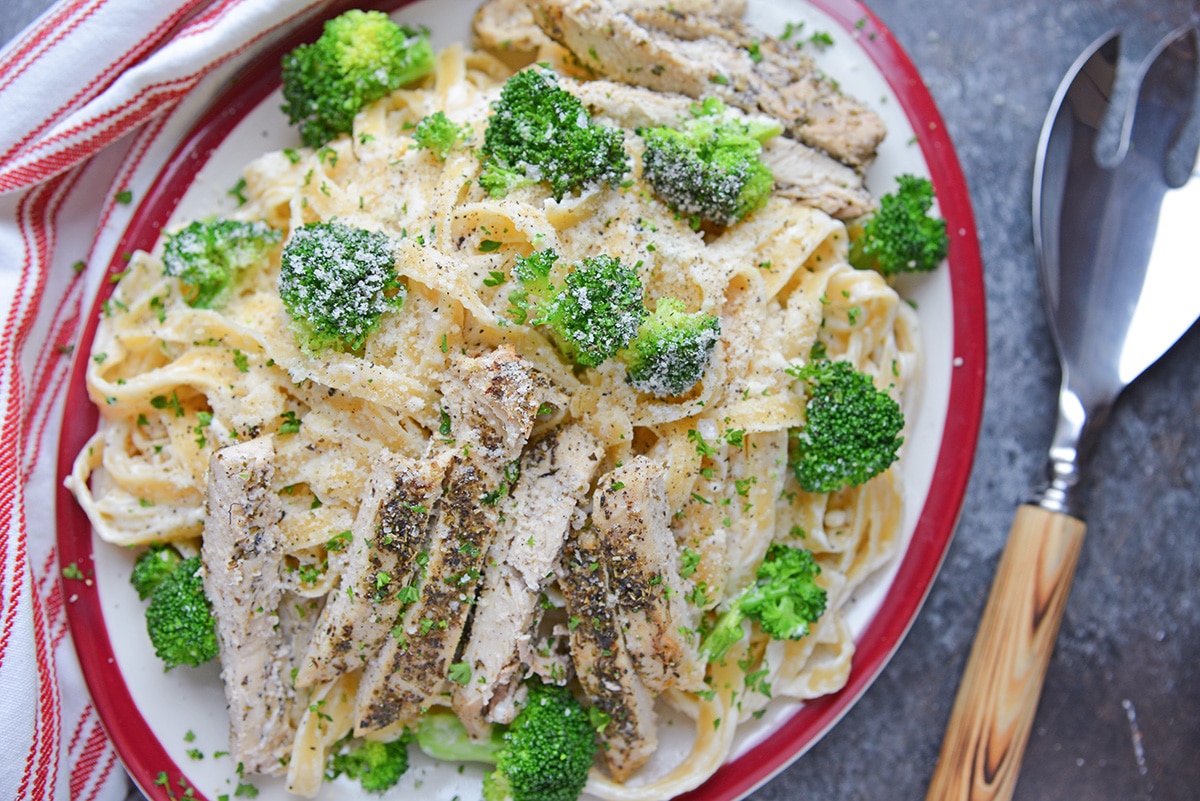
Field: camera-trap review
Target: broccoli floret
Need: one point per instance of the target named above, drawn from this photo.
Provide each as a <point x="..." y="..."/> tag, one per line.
<point x="377" y="766"/>
<point x="533" y="271"/>
<point x="179" y="618"/>
<point x="336" y="282"/>
<point x="208" y="256"/>
<point x="595" y="313"/>
<point x="152" y="567"/>
<point x="851" y="430"/>
<point x="901" y="236"/>
<point x="784" y="599"/>
<point x="360" y="57"/>
<point x="541" y="132"/>
<point x="711" y="168"/>
<point x="671" y="350"/>
<point x="543" y="755"/>
<point x="438" y="134"/>
<point x="599" y="312"/>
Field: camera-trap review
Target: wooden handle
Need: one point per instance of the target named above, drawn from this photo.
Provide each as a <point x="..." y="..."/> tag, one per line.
<point x="993" y="711"/>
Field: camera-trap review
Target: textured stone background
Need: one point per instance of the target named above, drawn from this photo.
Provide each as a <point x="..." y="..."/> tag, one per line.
<point x="1120" y="715"/>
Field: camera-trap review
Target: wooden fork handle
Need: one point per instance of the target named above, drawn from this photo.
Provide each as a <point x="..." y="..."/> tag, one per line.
<point x="993" y="711"/>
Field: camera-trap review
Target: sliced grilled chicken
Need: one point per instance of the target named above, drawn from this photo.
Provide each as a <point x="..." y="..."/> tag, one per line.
<point x="809" y="176"/>
<point x="492" y="402"/>
<point x="507" y="25"/>
<point x="700" y="56"/>
<point x="802" y="173"/>
<point x="548" y="657"/>
<point x="632" y="519"/>
<point x="729" y="8"/>
<point x="414" y="664"/>
<point x="734" y="9"/>
<point x="556" y="474"/>
<point x="602" y="662"/>
<point x="629" y="106"/>
<point x="243" y="564"/>
<point x="298" y="616"/>
<point x="389" y="532"/>
<point x="813" y="108"/>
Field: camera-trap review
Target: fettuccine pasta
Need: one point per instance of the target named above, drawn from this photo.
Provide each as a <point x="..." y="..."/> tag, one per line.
<point x="174" y="384"/>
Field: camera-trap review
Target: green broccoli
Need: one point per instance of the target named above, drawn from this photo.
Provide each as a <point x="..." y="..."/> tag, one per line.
<point x="543" y="755"/>
<point x="595" y="313"/>
<point x="534" y="273"/>
<point x="152" y="567"/>
<point x="360" y="57"/>
<point x="540" y="132"/>
<point x="208" y="256"/>
<point x="438" y="134"/>
<point x="595" y="310"/>
<point x="671" y="350"/>
<point x="336" y="282"/>
<point x="377" y="766"/>
<point x="784" y="599"/>
<point x="901" y="236"/>
<point x="851" y="431"/>
<point x="711" y="168"/>
<point x="598" y="311"/>
<point x="179" y="618"/>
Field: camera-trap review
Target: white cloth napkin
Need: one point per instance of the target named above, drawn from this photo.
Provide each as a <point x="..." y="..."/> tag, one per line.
<point x="86" y="94"/>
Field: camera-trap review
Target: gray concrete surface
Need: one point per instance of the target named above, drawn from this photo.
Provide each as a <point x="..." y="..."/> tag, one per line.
<point x="1120" y="716"/>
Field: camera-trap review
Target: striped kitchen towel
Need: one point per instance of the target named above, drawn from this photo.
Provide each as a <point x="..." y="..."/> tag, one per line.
<point x="86" y="94"/>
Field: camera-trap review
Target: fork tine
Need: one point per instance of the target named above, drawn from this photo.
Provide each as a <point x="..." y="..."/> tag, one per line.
<point x="1165" y="120"/>
<point x="1182" y="155"/>
<point x="1089" y="99"/>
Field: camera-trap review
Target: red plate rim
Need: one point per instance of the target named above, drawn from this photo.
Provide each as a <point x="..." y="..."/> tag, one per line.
<point x="143" y="755"/>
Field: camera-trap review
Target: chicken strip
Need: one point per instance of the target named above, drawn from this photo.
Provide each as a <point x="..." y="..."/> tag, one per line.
<point x="414" y="664"/>
<point x="800" y="172"/>
<point x="504" y="26"/>
<point x="808" y="176"/>
<point x="491" y="403"/>
<point x="389" y="532"/>
<point x="507" y="26"/>
<point x="701" y="56"/>
<point x="632" y="519"/>
<point x="556" y="474"/>
<point x="243" y="578"/>
<point x="602" y="662"/>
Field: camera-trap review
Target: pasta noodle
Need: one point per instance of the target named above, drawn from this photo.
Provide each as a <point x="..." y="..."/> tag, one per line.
<point x="174" y="383"/>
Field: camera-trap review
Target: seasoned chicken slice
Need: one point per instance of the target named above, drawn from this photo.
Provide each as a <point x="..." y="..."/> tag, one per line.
<point x="508" y="25"/>
<point x="243" y="577"/>
<point x="556" y="474"/>
<point x="493" y="401"/>
<point x="381" y="553"/>
<point x="602" y="662"/>
<point x="628" y="106"/>
<point x="731" y="8"/>
<point x="814" y="179"/>
<point x="298" y="616"/>
<point x="632" y="520"/>
<point x="801" y="172"/>
<point x="700" y="56"/>
<point x="414" y="664"/>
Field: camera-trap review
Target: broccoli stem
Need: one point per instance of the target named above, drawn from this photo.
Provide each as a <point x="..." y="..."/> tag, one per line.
<point x="441" y="735"/>
<point x="783" y="600"/>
